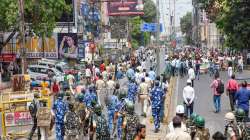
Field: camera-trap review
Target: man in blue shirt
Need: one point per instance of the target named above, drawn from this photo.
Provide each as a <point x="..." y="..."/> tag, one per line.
<point x="242" y="98"/>
<point x="152" y="74"/>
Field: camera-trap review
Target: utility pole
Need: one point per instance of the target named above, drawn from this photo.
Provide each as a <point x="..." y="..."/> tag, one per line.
<point x="22" y="35"/>
<point x="157" y="37"/>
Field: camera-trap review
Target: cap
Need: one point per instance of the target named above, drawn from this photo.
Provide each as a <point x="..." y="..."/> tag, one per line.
<point x="189" y="81"/>
<point x="180" y="109"/>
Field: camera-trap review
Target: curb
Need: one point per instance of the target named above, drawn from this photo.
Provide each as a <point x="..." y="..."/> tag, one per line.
<point x="168" y="98"/>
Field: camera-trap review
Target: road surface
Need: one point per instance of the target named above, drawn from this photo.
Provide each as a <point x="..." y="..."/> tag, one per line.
<point x="203" y="103"/>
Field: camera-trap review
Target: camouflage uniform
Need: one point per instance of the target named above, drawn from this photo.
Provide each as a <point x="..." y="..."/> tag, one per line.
<point x="131" y="126"/>
<point x="112" y="102"/>
<point x="99" y="124"/>
<point x="72" y="124"/>
<point x="156" y="96"/>
<point x="132" y="90"/>
<point x="60" y="108"/>
<point x="202" y="134"/>
<point x="120" y="107"/>
<point x="81" y="113"/>
<point x="89" y="99"/>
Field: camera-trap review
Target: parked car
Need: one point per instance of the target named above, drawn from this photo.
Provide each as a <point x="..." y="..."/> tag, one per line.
<point x="59" y="65"/>
<point x="39" y="72"/>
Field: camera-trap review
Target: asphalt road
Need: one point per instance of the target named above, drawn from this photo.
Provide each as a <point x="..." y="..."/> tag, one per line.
<point x="203" y="103"/>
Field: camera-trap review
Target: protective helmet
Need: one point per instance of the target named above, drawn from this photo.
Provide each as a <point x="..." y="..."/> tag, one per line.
<point x="122" y="95"/>
<point x="240" y="113"/>
<point x="71" y="105"/>
<point x="98" y="109"/>
<point x="61" y="95"/>
<point x="130" y="107"/>
<point x="91" y="87"/>
<point x="199" y="121"/>
<point x="157" y="83"/>
<point x="229" y="116"/>
<point x="132" y="79"/>
<point x="193" y="116"/>
<point x="180" y="109"/>
<point x="80" y="97"/>
<point x="67" y="93"/>
<point x="36" y="94"/>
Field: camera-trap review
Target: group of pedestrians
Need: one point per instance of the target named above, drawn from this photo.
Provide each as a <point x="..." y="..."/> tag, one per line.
<point x="101" y="105"/>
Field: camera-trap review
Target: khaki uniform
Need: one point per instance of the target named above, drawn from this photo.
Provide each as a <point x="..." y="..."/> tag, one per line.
<point x="144" y="88"/>
<point x="100" y="84"/>
<point x="202" y="134"/>
<point x="178" y="134"/>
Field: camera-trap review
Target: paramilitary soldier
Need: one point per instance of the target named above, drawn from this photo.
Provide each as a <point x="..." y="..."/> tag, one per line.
<point x="202" y="133"/>
<point x="130" y="122"/>
<point x="119" y="115"/>
<point x="100" y="124"/>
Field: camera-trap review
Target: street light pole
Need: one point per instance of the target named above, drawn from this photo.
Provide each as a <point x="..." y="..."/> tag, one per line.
<point x="22" y="34"/>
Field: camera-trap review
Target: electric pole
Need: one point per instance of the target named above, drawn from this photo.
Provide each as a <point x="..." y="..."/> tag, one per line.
<point x="157" y="37"/>
<point x="22" y="35"/>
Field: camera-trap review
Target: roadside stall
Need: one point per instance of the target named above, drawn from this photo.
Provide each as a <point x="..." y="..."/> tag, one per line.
<point x="14" y="103"/>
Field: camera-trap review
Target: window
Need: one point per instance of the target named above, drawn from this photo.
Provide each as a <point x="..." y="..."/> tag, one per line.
<point x="33" y="69"/>
<point x="42" y="70"/>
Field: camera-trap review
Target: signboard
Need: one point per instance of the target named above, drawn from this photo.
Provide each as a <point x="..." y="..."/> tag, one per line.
<point x="18" y="118"/>
<point x="150" y="27"/>
<point x="67" y="43"/>
<point x="34" y="47"/>
<point x="125" y="8"/>
<point x="7" y="57"/>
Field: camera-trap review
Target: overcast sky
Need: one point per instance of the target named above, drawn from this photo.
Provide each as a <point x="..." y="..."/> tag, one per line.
<point x="182" y="7"/>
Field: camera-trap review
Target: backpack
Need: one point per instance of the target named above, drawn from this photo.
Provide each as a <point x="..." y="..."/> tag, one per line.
<point x="72" y="124"/>
<point x="102" y="129"/>
<point x="220" y="87"/>
<point x="202" y="134"/>
<point x="33" y="109"/>
<point x="132" y="123"/>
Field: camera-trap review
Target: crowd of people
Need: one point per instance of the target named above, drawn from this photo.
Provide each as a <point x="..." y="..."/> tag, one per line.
<point x="102" y="104"/>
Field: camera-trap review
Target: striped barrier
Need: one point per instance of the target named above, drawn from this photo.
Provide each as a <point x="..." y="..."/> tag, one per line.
<point x="167" y="103"/>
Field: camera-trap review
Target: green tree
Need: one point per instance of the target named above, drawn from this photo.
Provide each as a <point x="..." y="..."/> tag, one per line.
<point x="186" y="27"/>
<point x="232" y="18"/>
<point x="41" y="14"/>
<point x="142" y="38"/>
<point x="149" y="11"/>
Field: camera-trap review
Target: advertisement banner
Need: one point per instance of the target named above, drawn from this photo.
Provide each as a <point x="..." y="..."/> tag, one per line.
<point x="67" y="43"/>
<point x="18" y="118"/>
<point x="125" y="8"/>
<point x="34" y="47"/>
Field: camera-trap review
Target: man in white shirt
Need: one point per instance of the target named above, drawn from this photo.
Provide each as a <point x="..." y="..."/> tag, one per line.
<point x="188" y="97"/>
<point x="173" y="65"/>
<point x="191" y="75"/>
